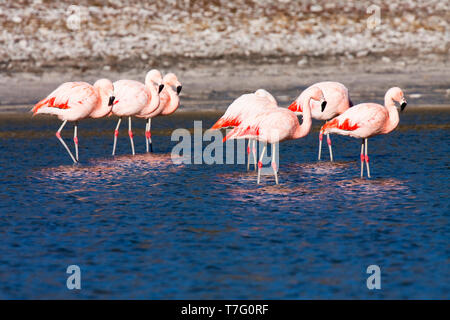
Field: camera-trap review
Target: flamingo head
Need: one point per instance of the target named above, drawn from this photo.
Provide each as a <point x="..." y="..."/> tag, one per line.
<point x="316" y="94"/>
<point x="171" y="80"/>
<point x="106" y="90"/>
<point x="396" y="94"/>
<point x="154" y="78"/>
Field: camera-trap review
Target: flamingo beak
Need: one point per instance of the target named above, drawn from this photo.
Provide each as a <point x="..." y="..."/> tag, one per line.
<point x="179" y="89"/>
<point x="403" y="104"/>
<point x="111" y="101"/>
<point x="323" y="104"/>
<point x="161" y="87"/>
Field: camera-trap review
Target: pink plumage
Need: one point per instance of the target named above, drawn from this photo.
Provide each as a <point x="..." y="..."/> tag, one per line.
<point x="338" y="101"/>
<point x="73" y="101"/>
<point x="246" y="106"/>
<point x="276" y="125"/>
<point x="366" y="120"/>
<point x="134" y="98"/>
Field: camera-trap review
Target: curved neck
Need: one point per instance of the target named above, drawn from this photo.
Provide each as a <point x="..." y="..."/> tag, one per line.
<point x="154" y="101"/>
<point x="394" y="119"/>
<point x="174" y="102"/>
<point x="101" y="109"/>
<point x="305" y="127"/>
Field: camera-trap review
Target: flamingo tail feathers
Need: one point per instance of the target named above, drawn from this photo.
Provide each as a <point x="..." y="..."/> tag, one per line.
<point x="242" y="133"/>
<point x="226" y="122"/>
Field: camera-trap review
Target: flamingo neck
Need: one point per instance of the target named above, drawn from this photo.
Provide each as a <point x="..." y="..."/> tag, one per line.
<point x="303" y="129"/>
<point x="154" y="99"/>
<point x="393" y="119"/>
<point x="173" y="104"/>
<point x="101" y="109"/>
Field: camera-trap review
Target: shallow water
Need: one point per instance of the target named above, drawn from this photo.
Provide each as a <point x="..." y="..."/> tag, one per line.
<point x="144" y="227"/>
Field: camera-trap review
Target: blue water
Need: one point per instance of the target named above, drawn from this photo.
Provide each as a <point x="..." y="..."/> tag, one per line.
<point x="144" y="227"/>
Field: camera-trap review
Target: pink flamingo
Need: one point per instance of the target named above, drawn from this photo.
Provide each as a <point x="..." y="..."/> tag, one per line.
<point x="169" y="103"/>
<point x="338" y="101"/>
<point x="134" y="98"/>
<point x="366" y="120"/>
<point x="247" y="105"/>
<point x="73" y="101"/>
<point x="276" y="125"/>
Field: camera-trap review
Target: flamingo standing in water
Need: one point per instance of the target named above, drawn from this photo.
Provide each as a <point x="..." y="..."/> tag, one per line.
<point x="366" y="120"/>
<point x="136" y="98"/>
<point x="73" y="101"/>
<point x="247" y="105"/>
<point x="169" y="103"/>
<point x="278" y="124"/>
<point x="338" y="101"/>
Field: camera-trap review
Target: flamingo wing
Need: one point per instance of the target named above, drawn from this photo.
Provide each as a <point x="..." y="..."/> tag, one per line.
<point x="68" y="95"/>
<point x="245" y="106"/>
<point x="365" y="115"/>
<point x="272" y="125"/>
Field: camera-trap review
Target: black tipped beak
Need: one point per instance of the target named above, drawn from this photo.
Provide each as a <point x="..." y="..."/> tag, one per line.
<point x="323" y="105"/>
<point x="179" y="89"/>
<point x="111" y="100"/>
<point x="161" y="87"/>
<point x="403" y="106"/>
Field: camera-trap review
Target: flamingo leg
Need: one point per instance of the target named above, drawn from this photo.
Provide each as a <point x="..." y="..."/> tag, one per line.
<point x="362" y="158"/>
<point x="367" y="159"/>
<point x="329" y="147"/>
<point x="149" y="134"/>
<point x="75" y="139"/>
<point x="130" y="134"/>
<point x="260" y="162"/>
<point x="58" y="135"/>
<point x="116" y="134"/>
<point x="248" y="154"/>
<point x="146" y="136"/>
<point x="274" y="164"/>
<point x="320" y="144"/>
<point x="254" y="153"/>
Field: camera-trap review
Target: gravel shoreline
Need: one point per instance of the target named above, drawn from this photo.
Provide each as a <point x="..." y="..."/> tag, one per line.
<point x="114" y="35"/>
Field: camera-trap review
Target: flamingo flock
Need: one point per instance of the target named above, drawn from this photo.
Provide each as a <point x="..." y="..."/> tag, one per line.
<point x="257" y="117"/>
<point x="74" y="101"/>
<point x="253" y="116"/>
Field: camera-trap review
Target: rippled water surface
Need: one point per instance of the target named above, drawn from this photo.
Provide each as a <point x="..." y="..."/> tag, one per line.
<point x="144" y="227"/>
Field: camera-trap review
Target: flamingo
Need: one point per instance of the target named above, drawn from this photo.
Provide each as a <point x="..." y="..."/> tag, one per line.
<point x="169" y="103"/>
<point x="366" y="120"/>
<point x="134" y="98"/>
<point x="247" y="105"/>
<point x="73" y="101"/>
<point x="338" y="101"/>
<point x="276" y="125"/>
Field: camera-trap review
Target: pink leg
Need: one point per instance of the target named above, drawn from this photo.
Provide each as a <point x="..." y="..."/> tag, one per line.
<point x="254" y="153"/>
<point x="248" y="153"/>
<point x="329" y="147"/>
<point x="75" y="139"/>
<point x="58" y="135"/>
<point x="116" y="134"/>
<point x="362" y="158"/>
<point x="260" y="163"/>
<point x="320" y="144"/>
<point x="274" y="164"/>
<point x="367" y="159"/>
<point x="148" y="135"/>
<point x="130" y="134"/>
